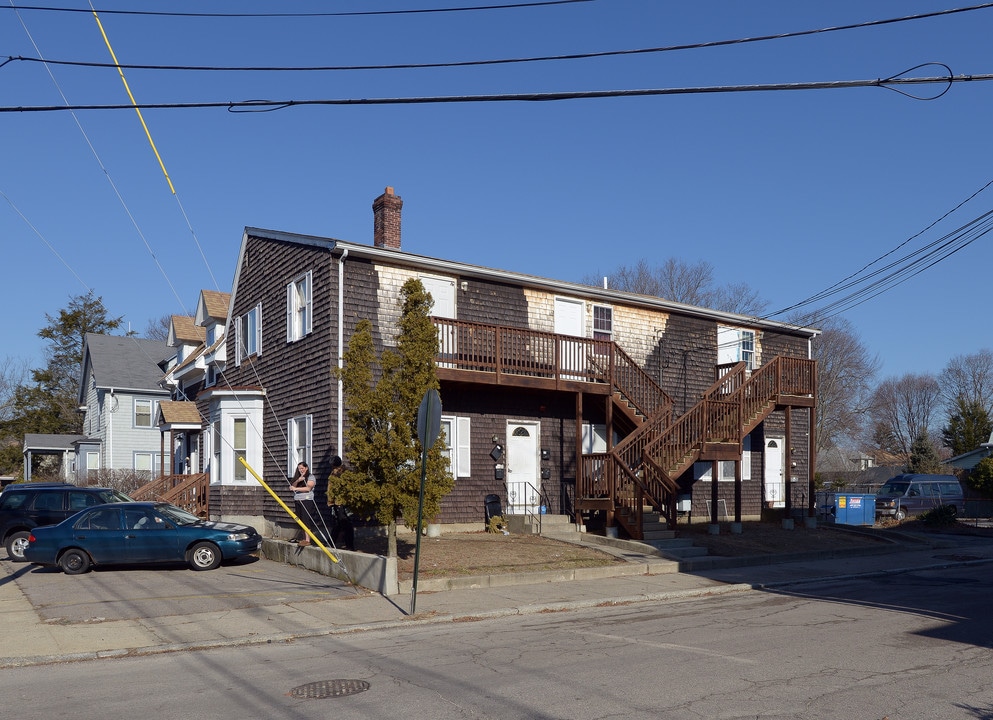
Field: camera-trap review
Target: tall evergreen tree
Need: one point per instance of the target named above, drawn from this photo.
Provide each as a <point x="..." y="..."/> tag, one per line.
<point x="923" y="456"/>
<point x="49" y="404"/>
<point x="383" y="471"/>
<point x="969" y="425"/>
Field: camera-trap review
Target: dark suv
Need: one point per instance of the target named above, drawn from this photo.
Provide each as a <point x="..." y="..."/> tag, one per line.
<point x="24" y="506"/>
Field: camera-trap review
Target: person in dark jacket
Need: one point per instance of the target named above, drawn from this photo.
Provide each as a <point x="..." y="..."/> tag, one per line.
<point x="342" y="528"/>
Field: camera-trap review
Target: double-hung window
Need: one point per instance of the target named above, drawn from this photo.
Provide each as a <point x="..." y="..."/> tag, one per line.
<point x="148" y="464"/>
<point x="92" y="463"/>
<point x="736" y="345"/>
<point x="239" y="447"/>
<point x="248" y="334"/>
<point x="300" y="434"/>
<point x="143" y="410"/>
<point x="299" y="307"/>
<point x="603" y="322"/>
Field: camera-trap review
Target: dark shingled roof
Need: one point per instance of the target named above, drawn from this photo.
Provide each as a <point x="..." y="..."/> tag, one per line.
<point x="126" y="363"/>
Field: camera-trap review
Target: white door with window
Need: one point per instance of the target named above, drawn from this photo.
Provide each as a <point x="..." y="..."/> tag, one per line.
<point x="775" y="480"/>
<point x="442" y="292"/>
<point x="569" y="320"/>
<point x="522" y="476"/>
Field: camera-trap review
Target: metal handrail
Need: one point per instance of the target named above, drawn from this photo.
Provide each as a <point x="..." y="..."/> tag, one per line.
<point x="543" y="501"/>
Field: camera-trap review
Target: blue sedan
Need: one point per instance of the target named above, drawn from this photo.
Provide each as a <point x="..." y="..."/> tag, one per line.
<point x="138" y="532"/>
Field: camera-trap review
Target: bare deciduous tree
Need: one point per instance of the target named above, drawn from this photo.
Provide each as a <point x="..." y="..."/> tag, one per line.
<point x="969" y="377"/>
<point x="158" y="328"/>
<point x="906" y="408"/>
<point x="844" y="372"/>
<point x="690" y="283"/>
<point x="13" y="373"/>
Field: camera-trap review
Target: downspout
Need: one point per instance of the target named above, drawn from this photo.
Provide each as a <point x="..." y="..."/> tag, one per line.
<point x="108" y="450"/>
<point x="341" y="340"/>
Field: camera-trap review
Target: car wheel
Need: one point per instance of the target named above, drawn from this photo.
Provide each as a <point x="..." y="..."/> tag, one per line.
<point x="204" y="556"/>
<point x="74" y="562"/>
<point x="900" y="515"/>
<point x="17" y="543"/>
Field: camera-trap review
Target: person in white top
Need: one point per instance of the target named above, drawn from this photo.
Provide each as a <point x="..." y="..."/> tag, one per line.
<point x="303" y="484"/>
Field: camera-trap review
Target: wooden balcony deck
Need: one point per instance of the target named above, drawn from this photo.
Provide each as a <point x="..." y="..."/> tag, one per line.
<point x="499" y="355"/>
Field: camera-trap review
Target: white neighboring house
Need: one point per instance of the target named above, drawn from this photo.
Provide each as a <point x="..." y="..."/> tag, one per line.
<point x="119" y="394"/>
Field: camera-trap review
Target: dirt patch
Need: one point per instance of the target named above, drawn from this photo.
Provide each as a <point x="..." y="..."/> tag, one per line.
<point x="483" y="553"/>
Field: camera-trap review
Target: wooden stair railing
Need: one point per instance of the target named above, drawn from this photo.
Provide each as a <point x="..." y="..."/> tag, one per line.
<point x="621" y="474"/>
<point x="731" y="408"/>
<point x="190" y="492"/>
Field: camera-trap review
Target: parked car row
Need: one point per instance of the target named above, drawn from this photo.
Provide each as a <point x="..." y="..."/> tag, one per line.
<point x="74" y="528"/>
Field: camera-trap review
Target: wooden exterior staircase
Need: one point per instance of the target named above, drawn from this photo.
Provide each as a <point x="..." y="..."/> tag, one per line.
<point x="190" y="492"/>
<point x="635" y="480"/>
<point x="713" y="429"/>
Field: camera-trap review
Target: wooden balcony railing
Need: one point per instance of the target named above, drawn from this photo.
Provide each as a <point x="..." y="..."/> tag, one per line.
<point x="190" y="492"/>
<point x="520" y="352"/>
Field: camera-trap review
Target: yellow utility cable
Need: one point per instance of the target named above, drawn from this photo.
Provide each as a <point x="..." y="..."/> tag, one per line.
<point x="127" y="88"/>
<point x="285" y="507"/>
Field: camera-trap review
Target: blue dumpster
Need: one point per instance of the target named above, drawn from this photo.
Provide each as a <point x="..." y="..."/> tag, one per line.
<point x="854" y="509"/>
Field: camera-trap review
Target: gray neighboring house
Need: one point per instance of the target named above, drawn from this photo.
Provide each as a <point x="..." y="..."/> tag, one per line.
<point x="119" y="394"/>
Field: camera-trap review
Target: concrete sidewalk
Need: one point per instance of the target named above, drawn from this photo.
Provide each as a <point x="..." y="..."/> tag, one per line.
<point x="25" y="639"/>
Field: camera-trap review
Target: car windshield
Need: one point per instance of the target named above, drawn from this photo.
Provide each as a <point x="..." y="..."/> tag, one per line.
<point x="113" y="496"/>
<point x="177" y="515"/>
<point x="893" y="488"/>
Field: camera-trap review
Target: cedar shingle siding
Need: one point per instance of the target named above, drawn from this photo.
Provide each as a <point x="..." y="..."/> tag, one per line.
<point x="675" y="345"/>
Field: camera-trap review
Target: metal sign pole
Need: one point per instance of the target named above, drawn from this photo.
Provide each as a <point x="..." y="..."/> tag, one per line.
<point x="428" y="429"/>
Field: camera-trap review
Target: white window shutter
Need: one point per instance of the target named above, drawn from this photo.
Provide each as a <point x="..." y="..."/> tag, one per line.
<point x="310" y="303"/>
<point x="291" y="446"/>
<point x="289" y="313"/>
<point x="746" y="458"/>
<point x="310" y="441"/>
<point x="237" y="340"/>
<point x="258" y="332"/>
<point x="463" y="454"/>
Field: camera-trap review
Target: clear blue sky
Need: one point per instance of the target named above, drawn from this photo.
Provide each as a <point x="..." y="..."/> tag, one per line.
<point x="788" y="191"/>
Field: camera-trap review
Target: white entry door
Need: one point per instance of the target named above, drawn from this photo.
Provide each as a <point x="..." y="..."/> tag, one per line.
<point x="443" y="294"/>
<point x="569" y="320"/>
<point x="775" y="480"/>
<point x="523" y="479"/>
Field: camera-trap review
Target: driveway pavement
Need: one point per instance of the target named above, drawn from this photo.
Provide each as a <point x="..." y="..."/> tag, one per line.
<point x="46" y="616"/>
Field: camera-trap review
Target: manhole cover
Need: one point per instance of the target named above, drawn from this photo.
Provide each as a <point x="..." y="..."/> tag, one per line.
<point x="329" y="688"/>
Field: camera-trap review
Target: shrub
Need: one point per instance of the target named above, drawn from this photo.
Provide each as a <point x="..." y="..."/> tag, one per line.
<point x="941" y="516"/>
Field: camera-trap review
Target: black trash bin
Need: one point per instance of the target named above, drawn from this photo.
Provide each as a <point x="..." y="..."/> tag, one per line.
<point x="493" y="507"/>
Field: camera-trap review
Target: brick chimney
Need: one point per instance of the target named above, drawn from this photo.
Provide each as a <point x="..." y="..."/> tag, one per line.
<point x="386" y="220"/>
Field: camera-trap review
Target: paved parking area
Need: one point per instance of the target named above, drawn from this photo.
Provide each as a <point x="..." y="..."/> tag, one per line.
<point x="125" y="593"/>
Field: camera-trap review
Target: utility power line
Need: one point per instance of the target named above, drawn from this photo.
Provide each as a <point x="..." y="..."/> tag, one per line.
<point x="505" y="61"/>
<point x="890" y="83"/>
<point x="355" y="13"/>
